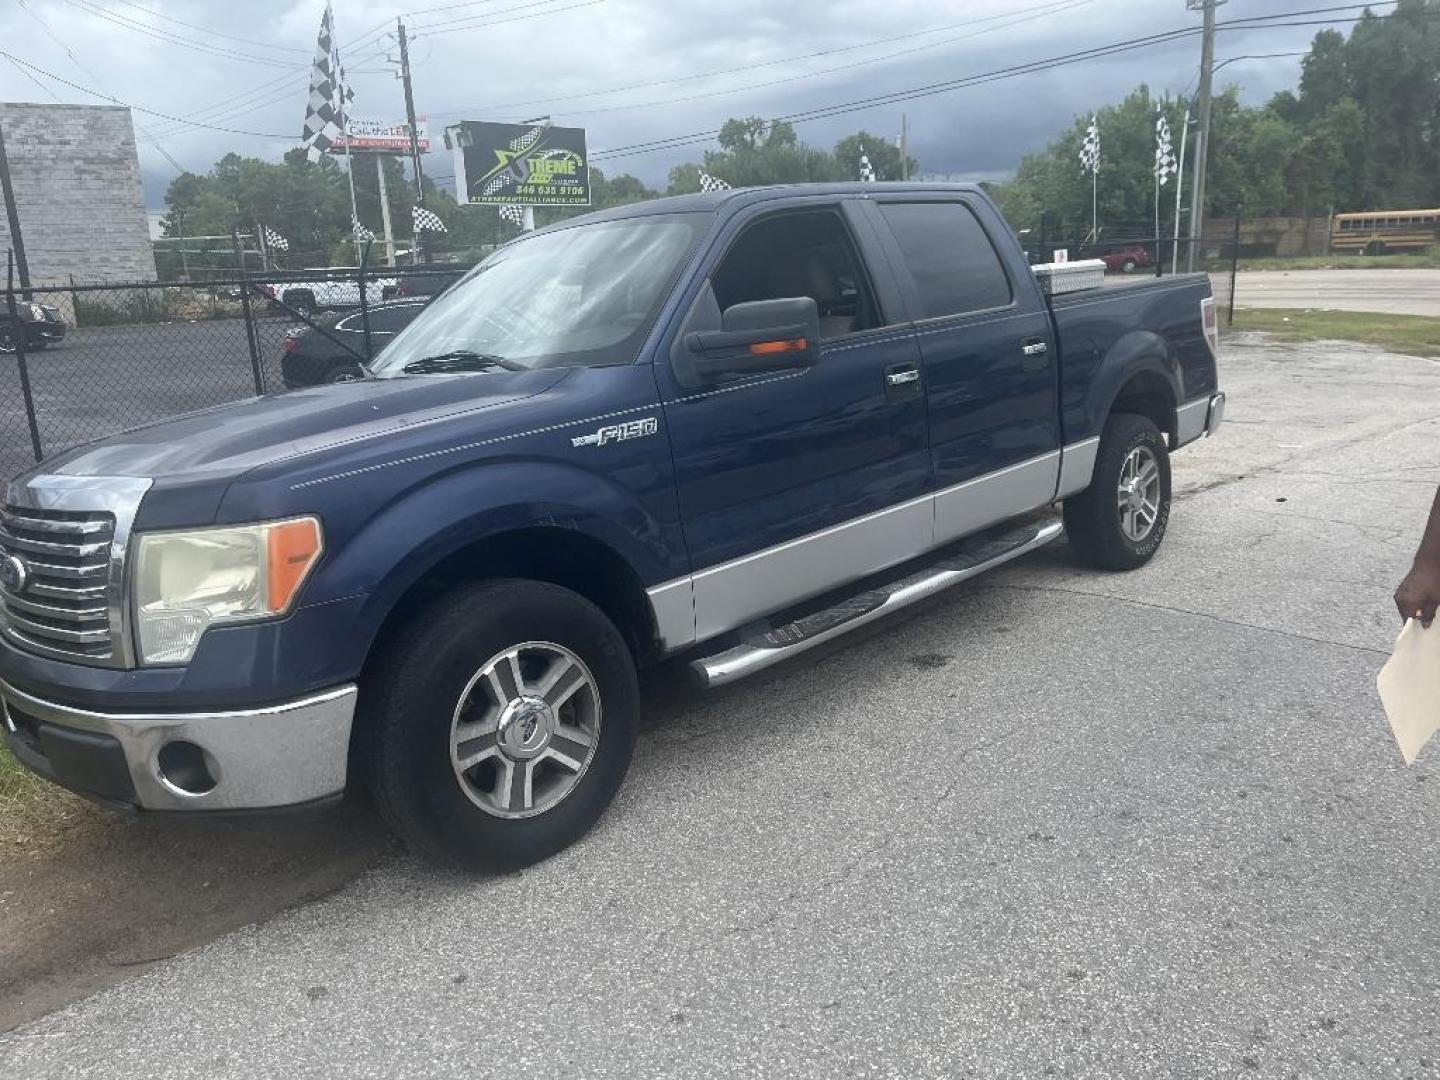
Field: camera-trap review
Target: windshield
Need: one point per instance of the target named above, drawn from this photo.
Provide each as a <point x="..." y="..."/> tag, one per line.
<point x="578" y="297"/>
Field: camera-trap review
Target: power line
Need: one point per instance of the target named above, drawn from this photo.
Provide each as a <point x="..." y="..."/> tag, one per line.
<point x="156" y="14"/>
<point x="266" y="94"/>
<point x="1097" y="52"/>
<point x="76" y="61"/>
<point x="725" y="92"/>
<point x="1043" y="8"/>
<point x="175" y="39"/>
<point x="441" y="27"/>
<point x="135" y="108"/>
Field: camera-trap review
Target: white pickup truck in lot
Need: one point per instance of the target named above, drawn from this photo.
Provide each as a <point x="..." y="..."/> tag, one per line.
<point x="329" y="288"/>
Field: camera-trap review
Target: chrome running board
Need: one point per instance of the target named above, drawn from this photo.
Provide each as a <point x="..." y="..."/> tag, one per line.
<point x="763" y="644"/>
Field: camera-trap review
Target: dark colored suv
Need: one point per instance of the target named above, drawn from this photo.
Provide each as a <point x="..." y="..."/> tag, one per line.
<point x="331" y="351"/>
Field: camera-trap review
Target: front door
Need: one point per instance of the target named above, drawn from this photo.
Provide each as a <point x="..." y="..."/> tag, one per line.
<point x="792" y="482"/>
<point x="989" y="365"/>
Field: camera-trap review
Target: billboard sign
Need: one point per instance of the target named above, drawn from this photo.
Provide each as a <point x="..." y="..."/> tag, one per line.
<point x="381" y="137"/>
<point x="520" y="164"/>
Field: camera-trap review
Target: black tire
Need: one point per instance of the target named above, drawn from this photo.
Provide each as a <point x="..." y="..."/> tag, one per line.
<point x="410" y="701"/>
<point x="301" y="302"/>
<point x="1129" y="266"/>
<point x="343" y="373"/>
<point x="1093" y="518"/>
<point x="7" y="338"/>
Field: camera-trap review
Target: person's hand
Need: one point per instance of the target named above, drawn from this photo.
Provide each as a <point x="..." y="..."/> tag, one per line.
<point x="1419" y="593"/>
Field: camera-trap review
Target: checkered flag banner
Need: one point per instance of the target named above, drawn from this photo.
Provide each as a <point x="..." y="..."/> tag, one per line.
<point x="362" y="234"/>
<point x="273" y="240"/>
<point x="1090" y="148"/>
<point x="513" y="214"/>
<point x="712" y="183"/>
<point x="1165" y="164"/>
<point x="867" y="174"/>
<point x="426" y="220"/>
<point x="323" y="111"/>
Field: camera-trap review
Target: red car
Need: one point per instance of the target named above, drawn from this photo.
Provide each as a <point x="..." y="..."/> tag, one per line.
<point x="1128" y="259"/>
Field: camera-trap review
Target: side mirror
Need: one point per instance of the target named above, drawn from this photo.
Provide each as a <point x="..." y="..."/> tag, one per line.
<point x="758" y="336"/>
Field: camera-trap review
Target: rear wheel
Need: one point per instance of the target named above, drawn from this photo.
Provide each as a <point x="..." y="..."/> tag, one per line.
<point x="343" y="373"/>
<point x="1117" y="523"/>
<point x="501" y="724"/>
<point x="1129" y="266"/>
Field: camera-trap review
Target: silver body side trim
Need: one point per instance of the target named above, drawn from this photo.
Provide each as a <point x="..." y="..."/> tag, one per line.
<point x="745" y="660"/>
<point x="1077" y="466"/>
<point x="969" y="507"/>
<point x="673" y="605"/>
<point x="275" y="756"/>
<point x="733" y="593"/>
<point x="1190" y="420"/>
<point x="116" y="495"/>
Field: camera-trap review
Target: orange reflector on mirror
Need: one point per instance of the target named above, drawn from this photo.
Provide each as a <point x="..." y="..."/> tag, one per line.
<point x="761" y="348"/>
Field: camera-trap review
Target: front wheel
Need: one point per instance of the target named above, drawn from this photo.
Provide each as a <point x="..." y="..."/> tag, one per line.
<point x="501" y="724"/>
<point x="1117" y="523"/>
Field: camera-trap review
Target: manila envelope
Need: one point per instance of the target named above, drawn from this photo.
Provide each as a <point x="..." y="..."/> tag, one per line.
<point x="1409" y="686"/>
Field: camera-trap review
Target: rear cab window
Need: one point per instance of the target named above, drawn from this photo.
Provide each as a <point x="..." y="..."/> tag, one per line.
<point x="951" y="259"/>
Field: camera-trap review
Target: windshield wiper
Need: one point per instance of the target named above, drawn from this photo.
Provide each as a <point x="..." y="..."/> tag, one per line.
<point x="460" y="360"/>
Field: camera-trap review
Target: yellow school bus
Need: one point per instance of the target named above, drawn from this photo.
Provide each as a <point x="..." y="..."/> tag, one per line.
<point x="1384" y="230"/>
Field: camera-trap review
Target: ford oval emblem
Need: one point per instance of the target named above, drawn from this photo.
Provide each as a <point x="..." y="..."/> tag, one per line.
<point x="14" y="573"/>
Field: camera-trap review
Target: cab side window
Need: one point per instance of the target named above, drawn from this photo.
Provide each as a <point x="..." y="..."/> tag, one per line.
<point x="806" y="253"/>
<point x="950" y="258"/>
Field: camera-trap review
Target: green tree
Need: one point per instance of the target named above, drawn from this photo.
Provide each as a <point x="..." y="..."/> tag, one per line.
<point x="884" y="157"/>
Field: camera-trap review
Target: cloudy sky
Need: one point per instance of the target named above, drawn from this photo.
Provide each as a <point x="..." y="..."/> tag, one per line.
<point x="631" y="71"/>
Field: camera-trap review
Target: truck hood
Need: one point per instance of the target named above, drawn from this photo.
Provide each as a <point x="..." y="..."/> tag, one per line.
<point x="231" y="439"/>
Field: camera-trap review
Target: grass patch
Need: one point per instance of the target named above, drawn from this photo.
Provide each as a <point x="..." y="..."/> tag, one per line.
<point x="1416" y="335"/>
<point x="34" y="812"/>
<point x="1426" y="260"/>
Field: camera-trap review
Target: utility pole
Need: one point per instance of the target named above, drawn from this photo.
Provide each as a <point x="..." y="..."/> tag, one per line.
<point x="1202" y="139"/>
<point x="904" y="148"/>
<point x="12" y="213"/>
<point x="410" y="119"/>
<point x="385" y="209"/>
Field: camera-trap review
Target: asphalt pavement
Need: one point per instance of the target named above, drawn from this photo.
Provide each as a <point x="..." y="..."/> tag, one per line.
<point x="105" y="379"/>
<point x="1393" y="292"/>
<point x="1058" y="823"/>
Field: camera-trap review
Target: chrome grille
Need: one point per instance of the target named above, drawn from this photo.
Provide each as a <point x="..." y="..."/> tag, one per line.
<point x="62" y="607"/>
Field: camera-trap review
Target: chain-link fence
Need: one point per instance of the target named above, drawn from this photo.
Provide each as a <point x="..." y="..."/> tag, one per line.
<point x="78" y="362"/>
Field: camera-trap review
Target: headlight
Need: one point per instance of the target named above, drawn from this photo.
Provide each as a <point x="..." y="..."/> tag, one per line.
<point x="186" y="582"/>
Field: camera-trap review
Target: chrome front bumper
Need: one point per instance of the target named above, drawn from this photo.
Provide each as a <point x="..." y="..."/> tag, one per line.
<point x="251" y="759"/>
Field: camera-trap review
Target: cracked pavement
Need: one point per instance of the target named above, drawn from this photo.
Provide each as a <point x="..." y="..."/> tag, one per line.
<point x="1056" y="823"/>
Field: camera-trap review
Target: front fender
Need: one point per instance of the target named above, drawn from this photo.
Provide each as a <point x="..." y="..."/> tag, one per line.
<point x="411" y="535"/>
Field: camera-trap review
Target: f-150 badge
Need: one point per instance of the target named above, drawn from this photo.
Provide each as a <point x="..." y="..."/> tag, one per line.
<point x="631" y="429"/>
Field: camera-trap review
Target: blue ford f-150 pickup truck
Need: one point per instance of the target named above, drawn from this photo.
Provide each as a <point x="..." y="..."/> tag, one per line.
<point x="723" y="427"/>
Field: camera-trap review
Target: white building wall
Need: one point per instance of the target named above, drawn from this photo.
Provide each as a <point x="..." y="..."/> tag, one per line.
<point x="76" y="176"/>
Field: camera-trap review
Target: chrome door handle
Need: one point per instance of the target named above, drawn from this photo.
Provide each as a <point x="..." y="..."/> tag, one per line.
<point x="903" y="378"/>
<point x="1034" y="348"/>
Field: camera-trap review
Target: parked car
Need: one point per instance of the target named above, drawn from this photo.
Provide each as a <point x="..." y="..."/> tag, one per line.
<point x="1128" y="259"/>
<point x="428" y="279"/>
<point x="336" y="287"/>
<point x="333" y="349"/>
<point x="43" y="326"/>
<point x="723" y="428"/>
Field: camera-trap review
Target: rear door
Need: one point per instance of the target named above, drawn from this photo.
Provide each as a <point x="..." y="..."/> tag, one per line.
<point x="989" y="363"/>
<point x="794" y="482"/>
